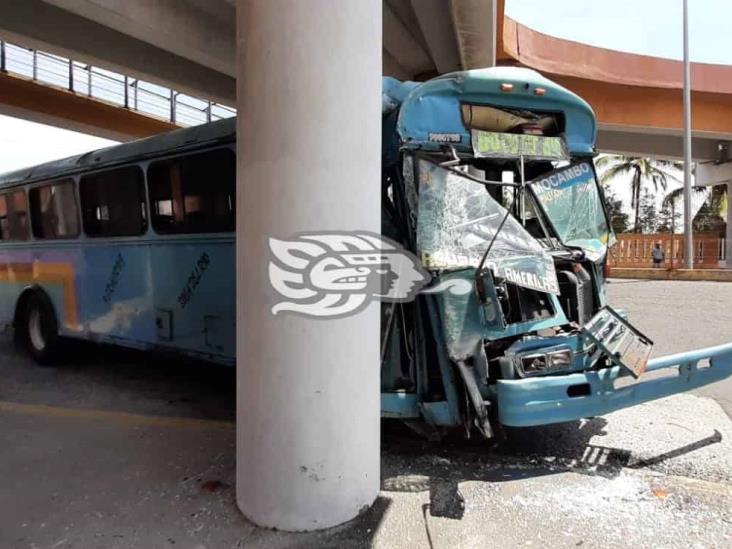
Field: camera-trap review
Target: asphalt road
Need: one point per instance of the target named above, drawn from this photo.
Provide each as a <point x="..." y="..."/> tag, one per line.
<point x="680" y="316"/>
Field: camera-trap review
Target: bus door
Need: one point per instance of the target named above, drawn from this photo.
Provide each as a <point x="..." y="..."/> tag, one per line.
<point x="193" y="260"/>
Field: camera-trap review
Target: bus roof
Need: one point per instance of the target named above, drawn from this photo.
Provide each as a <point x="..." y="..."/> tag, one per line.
<point x="430" y="113"/>
<point x="178" y="140"/>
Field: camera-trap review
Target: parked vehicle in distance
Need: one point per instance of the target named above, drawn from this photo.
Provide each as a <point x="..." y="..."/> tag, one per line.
<point x="487" y="177"/>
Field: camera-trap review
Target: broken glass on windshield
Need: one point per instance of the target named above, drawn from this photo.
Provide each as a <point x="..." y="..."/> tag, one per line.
<point x="457" y="219"/>
<point x="571" y="200"/>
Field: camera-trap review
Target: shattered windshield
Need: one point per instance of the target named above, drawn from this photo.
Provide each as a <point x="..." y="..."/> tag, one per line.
<point x="457" y="219"/>
<point x="571" y="200"/>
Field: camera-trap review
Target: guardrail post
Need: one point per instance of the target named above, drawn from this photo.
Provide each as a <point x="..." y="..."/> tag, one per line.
<point x="172" y="106"/>
<point x="71" y="75"/>
<point x="208" y="111"/>
<point x="127" y="95"/>
<point x="89" y="80"/>
<point x="35" y="64"/>
<point x="2" y="55"/>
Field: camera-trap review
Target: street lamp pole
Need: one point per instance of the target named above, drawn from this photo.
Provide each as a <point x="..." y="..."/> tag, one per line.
<point x="688" y="237"/>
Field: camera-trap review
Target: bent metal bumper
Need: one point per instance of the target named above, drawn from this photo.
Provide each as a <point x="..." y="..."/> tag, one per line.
<point x="544" y="400"/>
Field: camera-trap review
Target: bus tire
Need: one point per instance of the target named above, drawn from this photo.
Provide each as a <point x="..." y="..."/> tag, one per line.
<point x="37" y="329"/>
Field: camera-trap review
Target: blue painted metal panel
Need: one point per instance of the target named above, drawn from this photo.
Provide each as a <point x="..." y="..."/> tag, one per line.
<point x="434" y="106"/>
<point x="400" y="405"/>
<point x="194" y="280"/>
<point x="117" y="291"/>
<point x="113" y="290"/>
<point x="441" y="412"/>
<point x="541" y="401"/>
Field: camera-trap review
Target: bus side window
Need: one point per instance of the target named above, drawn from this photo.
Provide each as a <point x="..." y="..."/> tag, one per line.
<point x="53" y="210"/>
<point x="113" y="202"/>
<point x="14" y="216"/>
<point x="193" y="193"/>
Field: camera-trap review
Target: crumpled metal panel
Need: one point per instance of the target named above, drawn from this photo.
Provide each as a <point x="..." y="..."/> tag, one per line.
<point x="464" y="323"/>
<point x="430" y="116"/>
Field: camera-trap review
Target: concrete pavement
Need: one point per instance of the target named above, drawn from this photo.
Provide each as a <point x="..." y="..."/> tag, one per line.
<point x="680" y="316"/>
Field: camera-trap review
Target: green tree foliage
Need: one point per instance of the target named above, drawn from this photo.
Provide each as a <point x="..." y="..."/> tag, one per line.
<point x="642" y="172"/>
<point x="708" y="220"/>
<point x="669" y="219"/>
<point x="649" y="219"/>
<point x="618" y="218"/>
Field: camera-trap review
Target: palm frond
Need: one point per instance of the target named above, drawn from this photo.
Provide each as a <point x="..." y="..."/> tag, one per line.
<point x="672" y="174"/>
<point x="674" y="195"/>
<point x="614" y="171"/>
<point x="608" y="160"/>
<point x="669" y="164"/>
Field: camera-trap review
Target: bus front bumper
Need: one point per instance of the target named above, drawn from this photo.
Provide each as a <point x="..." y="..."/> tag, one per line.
<point x="540" y="401"/>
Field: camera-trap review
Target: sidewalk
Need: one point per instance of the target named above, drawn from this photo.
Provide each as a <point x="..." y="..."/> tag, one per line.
<point x="649" y="273"/>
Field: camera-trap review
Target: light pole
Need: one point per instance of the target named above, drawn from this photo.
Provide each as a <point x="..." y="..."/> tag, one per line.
<point x="688" y="237"/>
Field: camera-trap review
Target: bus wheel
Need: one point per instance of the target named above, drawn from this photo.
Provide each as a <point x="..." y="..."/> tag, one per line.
<point x="38" y="330"/>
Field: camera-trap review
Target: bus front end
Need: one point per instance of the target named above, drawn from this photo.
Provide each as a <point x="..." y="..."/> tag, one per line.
<point x="489" y="180"/>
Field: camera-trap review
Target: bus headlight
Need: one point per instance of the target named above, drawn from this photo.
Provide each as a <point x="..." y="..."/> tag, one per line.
<point x="560" y="360"/>
<point x="532" y="364"/>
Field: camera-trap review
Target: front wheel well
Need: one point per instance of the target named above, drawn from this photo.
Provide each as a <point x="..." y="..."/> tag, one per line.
<point x="25" y="296"/>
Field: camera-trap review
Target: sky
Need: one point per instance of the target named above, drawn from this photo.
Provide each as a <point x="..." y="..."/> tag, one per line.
<point x="647" y="27"/>
<point x="25" y="143"/>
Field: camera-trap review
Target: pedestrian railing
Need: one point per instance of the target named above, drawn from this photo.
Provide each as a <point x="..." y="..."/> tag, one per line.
<point x="111" y="87"/>
<point x="634" y="251"/>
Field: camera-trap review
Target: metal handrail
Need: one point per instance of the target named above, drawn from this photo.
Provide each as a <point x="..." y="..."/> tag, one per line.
<point x="111" y="87"/>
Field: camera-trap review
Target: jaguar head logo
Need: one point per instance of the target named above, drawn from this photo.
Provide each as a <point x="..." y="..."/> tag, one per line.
<point x="329" y="275"/>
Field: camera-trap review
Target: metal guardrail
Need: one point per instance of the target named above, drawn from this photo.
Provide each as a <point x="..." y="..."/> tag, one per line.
<point x="111" y="87"/>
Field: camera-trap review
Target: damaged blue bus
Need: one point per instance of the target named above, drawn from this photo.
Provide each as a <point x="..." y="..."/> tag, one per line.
<point x="487" y="178"/>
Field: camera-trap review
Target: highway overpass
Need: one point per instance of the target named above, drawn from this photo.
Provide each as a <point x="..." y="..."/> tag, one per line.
<point x="637" y="98"/>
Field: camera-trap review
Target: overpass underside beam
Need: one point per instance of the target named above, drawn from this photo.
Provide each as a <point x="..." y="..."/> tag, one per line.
<point x="638" y="142"/>
<point x="24" y="98"/>
<point x="639" y="120"/>
<point x="424" y="38"/>
<point x="134" y="38"/>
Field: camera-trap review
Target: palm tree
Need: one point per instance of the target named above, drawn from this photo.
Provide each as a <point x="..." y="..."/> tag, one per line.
<point x="715" y="200"/>
<point x="674" y="195"/>
<point x="642" y="172"/>
<point x="669" y="201"/>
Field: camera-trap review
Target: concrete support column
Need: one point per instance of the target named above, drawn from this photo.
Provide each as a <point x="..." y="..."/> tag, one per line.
<point x="728" y="234"/>
<point x="309" y="152"/>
